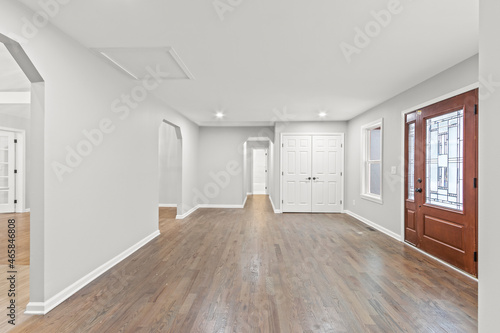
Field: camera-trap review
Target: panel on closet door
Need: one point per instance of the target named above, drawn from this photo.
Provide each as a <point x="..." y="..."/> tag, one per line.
<point x="326" y="174"/>
<point x="297" y="163"/>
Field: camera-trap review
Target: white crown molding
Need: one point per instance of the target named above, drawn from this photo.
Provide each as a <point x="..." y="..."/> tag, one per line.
<point x="222" y="123"/>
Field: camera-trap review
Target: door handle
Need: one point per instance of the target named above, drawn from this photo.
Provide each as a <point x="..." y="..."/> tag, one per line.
<point x="419" y="190"/>
<point x="308" y="178"/>
<point x="314" y="178"/>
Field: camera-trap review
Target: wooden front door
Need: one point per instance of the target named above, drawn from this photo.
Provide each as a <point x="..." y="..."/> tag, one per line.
<point x="441" y="180"/>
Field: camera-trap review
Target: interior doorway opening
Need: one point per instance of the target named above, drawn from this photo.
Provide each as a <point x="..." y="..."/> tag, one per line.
<point x="170" y="166"/>
<point x="259" y="172"/>
<point x="258" y="166"/>
<point x="22" y="94"/>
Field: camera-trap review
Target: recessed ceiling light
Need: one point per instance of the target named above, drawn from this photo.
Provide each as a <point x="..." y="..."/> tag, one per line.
<point x="219" y="114"/>
<point x="322" y="114"/>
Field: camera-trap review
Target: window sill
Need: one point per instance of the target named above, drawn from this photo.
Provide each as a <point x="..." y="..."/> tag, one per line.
<point x="373" y="198"/>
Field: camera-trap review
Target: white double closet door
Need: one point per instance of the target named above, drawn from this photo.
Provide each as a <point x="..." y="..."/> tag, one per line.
<point x="312" y="173"/>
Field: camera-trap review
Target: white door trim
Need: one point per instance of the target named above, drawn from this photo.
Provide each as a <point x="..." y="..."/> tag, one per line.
<point x="342" y="135"/>
<point x="403" y="128"/>
<point x="20" y="176"/>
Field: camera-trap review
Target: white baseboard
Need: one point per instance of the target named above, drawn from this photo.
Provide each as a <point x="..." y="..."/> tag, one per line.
<point x="42" y="308"/>
<point x="375" y="225"/>
<point x="27" y="210"/>
<point x="192" y="210"/>
<point x="249" y="193"/>
<point x="401" y="239"/>
<point x="220" y="206"/>
<point x="442" y="262"/>
<point x="245" y="201"/>
<point x="186" y="214"/>
<point x="259" y="193"/>
<point x="167" y="205"/>
<point x="276" y="211"/>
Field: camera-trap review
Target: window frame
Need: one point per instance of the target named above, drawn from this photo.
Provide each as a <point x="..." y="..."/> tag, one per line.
<point x="366" y="162"/>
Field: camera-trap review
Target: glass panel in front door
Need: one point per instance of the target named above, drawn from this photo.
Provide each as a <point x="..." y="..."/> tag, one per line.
<point x="411" y="161"/>
<point x="444" y="160"/>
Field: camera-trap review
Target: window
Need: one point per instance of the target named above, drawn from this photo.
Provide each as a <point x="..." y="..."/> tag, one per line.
<point x="371" y="173"/>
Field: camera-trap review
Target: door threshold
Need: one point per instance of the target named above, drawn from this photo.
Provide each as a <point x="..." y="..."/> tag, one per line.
<point x="443" y="262"/>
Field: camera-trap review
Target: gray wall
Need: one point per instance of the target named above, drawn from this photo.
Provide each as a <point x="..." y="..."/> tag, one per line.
<point x="109" y="202"/>
<point x="20" y="123"/>
<point x="489" y="160"/>
<point x="388" y="214"/>
<point x="297" y="127"/>
<point x="219" y="147"/>
<point x="170" y="166"/>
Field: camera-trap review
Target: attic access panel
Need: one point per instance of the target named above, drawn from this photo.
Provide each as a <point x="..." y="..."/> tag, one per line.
<point x="135" y="62"/>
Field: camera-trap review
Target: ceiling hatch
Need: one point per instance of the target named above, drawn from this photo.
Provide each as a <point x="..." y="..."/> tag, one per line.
<point x="138" y="62"/>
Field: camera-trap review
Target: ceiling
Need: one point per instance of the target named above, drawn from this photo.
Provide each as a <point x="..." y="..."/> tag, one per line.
<point x="12" y="78"/>
<point x="270" y="56"/>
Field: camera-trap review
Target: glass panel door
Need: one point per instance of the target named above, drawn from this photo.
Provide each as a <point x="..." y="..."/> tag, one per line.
<point x="440" y="204"/>
<point x="444" y="160"/>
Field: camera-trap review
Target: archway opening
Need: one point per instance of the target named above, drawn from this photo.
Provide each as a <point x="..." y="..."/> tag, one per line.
<point x="22" y="94"/>
<point x="170" y="169"/>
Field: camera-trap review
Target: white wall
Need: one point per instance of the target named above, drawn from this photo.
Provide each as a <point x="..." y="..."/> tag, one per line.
<point x="170" y="166"/>
<point x="489" y="160"/>
<point x="221" y="149"/>
<point x="109" y="202"/>
<point x="388" y="214"/>
<point x="297" y="127"/>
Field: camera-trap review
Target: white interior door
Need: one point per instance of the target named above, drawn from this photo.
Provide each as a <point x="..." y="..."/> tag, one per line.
<point x="7" y="165"/>
<point x="259" y="172"/>
<point x="296" y="174"/>
<point x="327" y="163"/>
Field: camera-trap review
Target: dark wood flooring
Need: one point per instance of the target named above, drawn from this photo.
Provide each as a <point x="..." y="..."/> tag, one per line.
<point x="250" y="270"/>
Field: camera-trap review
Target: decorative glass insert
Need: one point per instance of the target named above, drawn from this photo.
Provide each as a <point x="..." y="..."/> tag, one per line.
<point x="444" y="160"/>
<point x="411" y="161"/>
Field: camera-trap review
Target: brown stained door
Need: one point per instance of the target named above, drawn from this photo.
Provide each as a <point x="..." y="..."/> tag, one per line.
<point x="441" y="180"/>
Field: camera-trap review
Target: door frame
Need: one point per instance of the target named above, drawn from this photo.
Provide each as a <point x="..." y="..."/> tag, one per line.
<point x="20" y="176"/>
<point x="266" y="192"/>
<point x="342" y="135"/>
<point x="438" y="99"/>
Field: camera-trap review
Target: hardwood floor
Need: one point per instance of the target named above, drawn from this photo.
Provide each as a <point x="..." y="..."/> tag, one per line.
<point x="250" y="270"/>
<point x="22" y="267"/>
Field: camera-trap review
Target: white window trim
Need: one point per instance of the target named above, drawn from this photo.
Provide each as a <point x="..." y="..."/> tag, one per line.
<point x="364" y="158"/>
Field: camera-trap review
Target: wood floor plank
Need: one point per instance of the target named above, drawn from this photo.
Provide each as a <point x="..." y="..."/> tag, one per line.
<point x="250" y="270"/>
